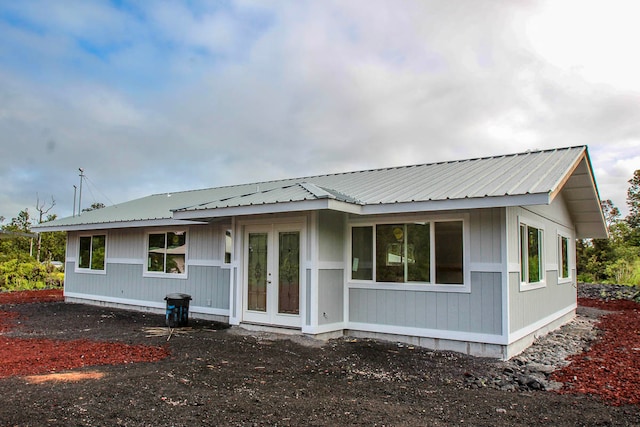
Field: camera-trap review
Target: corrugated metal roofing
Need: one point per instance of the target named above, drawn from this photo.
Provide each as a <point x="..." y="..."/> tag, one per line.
<point x="523" y="174"/>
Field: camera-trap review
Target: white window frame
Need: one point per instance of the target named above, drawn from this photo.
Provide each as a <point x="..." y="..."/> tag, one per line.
<point x="525" y="285"/>
<point x="415" y="286"/>
<point x="162" y="274"/>
<point x="570" y="259"/>
<point x="90" y="270"/>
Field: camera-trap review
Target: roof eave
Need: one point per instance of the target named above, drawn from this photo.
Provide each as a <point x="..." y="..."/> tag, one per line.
<point x="457" y="204"/>
<point x="164" y="222"/>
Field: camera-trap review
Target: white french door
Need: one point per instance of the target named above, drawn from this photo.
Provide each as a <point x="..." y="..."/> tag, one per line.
<point x="272" y="274"/>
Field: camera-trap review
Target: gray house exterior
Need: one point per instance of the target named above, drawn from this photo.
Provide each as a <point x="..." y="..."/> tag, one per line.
<point x="475" y="256"/>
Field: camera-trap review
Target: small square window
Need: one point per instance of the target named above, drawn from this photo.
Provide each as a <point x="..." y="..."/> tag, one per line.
<point x="91" y="254"/>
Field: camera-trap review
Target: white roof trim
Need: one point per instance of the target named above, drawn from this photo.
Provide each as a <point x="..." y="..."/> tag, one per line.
<point x="124" y="224"/>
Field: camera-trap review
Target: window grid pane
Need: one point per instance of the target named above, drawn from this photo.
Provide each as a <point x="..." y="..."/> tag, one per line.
<point x="390" y="253"/>
<point x="418" y="253"/>
<point x="449" y="252"/>
<point x="564" y="257"/>
<point x="85" y="252"/>
<point x="167" y="252"/>
<point x="97" y="252"/>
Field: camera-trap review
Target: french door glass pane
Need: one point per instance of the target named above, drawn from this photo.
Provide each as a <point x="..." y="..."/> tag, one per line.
<point x="289" y="273"/>
<point x="257" y="272"/>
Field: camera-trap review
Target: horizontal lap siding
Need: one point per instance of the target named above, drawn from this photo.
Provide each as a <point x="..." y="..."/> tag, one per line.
<point x="478" y="311"/>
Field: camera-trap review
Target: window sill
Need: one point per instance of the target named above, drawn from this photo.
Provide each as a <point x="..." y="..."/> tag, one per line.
<point x="89" y="271"/>
<point x="564" y="280"/>
<point x="157" y="275"/>
<point x="532" y="286"/>
<point x="420" y="287"/>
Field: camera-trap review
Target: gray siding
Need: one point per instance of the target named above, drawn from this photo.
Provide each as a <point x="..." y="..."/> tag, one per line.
<point x="486" y="235"/>
<point x="478" y="311"/>
<point x="527" y="306"/>
<point x="330" y="296"/>
<point x="208" y="286"/>
<point x="207" y="242"/>
<point x="126" y="244"/>
<point x="330" y="236"/>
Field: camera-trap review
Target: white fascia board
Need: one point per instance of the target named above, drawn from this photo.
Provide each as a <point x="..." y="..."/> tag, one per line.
<point x="267" y="208"/>
<point x="455" y="204"/>
<point x="336" y="205"/>
<point x="165" y="222"/>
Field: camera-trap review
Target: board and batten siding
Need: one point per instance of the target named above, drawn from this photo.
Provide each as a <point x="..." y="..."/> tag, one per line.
<point x="331" y="232"/>
<point x="528" y="306"/>
<point x="477" y="311"/>
<point x="207" y="281"/>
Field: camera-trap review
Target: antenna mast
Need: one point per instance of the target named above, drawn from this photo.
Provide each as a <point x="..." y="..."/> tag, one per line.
<point x="80" y="195"/>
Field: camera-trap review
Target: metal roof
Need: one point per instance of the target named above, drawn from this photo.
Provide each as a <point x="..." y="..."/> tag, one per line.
<point x="529" y="178"/>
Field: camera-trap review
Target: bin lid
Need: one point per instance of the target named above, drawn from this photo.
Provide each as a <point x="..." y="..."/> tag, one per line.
<point x="177" y="296"/>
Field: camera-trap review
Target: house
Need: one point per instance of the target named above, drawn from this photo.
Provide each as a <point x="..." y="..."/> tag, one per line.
<point x="475" y="256"/>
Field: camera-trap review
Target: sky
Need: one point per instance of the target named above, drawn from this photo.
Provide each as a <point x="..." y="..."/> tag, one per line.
<point x="152" y="97"/>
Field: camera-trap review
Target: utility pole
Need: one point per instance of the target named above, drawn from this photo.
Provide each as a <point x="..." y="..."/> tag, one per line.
<point x="75" y="189"/>
<point x="80" y="196"/>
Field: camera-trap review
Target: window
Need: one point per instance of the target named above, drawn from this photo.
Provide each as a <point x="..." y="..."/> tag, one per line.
<point x="417" y="252"/>
<point x="531" y="254"/>
<point x="362" y="253"/>
<point x="228" y="245"/>
<point x="92" y="252"/>
<point x="167" y="252"/>
<point x="564" y="270"/>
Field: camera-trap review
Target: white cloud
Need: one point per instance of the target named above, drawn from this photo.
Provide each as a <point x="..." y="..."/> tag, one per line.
<point x="181" y="95"/>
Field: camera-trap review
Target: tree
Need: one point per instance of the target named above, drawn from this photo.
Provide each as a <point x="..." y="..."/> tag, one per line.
<point x="54" y="243"/>
<point x="18" y="246"/>
<point x="94" y="206"/>
<point x="42" y="211"/>
<point x="610" y="211"/>
<point x="633" y="200"/>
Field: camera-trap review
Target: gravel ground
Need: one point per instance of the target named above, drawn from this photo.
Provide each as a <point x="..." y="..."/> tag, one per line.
<point x="220" y="376"/>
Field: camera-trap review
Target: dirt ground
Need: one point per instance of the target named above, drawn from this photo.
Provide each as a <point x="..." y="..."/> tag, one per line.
<point x="207" y="374"/>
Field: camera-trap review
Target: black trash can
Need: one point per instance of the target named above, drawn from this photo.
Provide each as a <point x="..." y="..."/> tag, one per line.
<point x="177" y="310"/>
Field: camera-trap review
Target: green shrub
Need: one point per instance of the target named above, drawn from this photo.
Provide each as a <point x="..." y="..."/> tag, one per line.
<point x="25" y="274"/>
